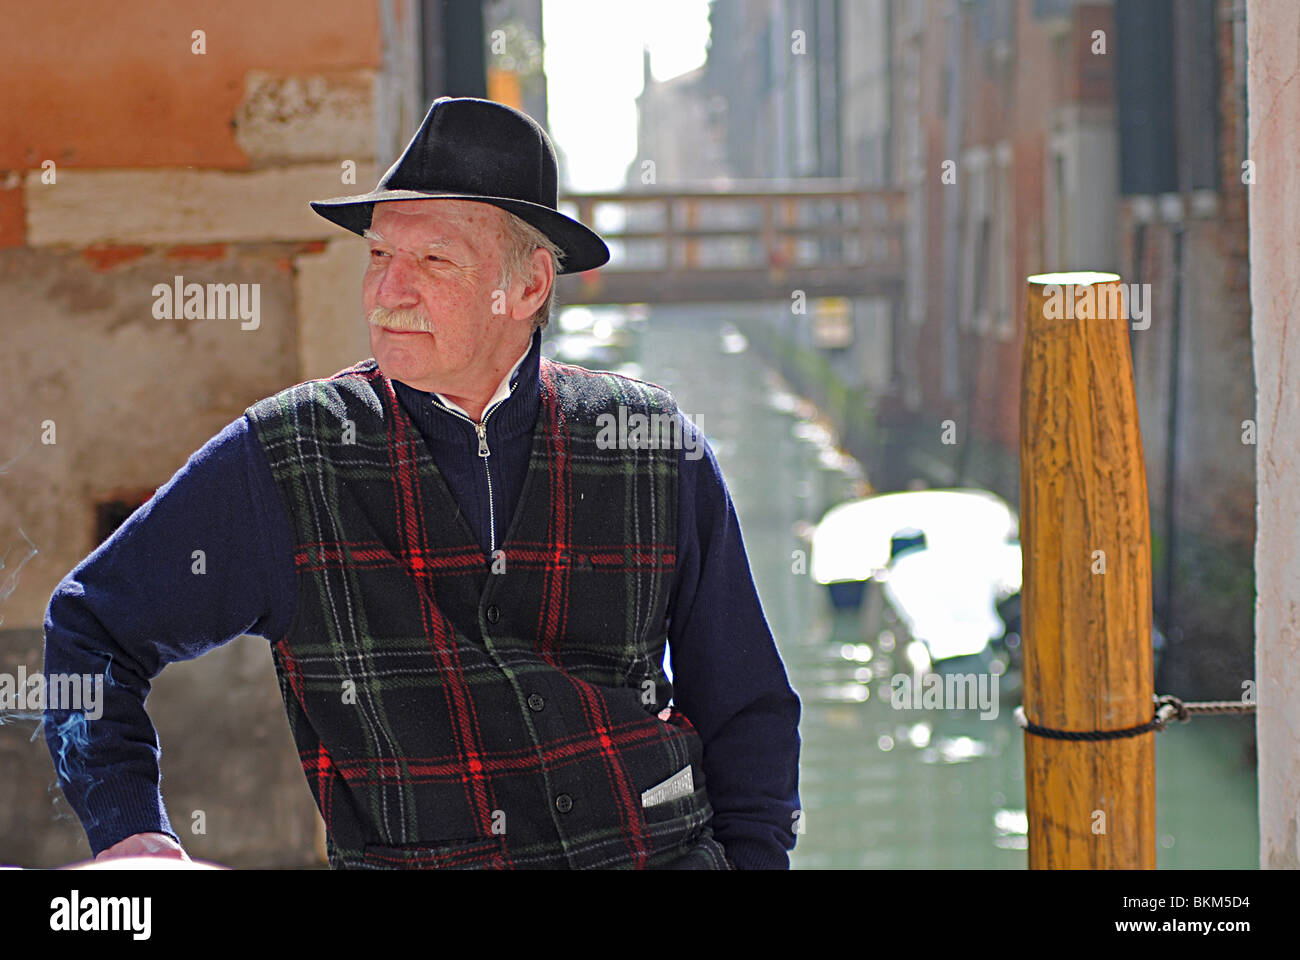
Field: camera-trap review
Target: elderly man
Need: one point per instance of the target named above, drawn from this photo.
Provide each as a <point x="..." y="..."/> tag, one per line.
<point x="467" y="591"/>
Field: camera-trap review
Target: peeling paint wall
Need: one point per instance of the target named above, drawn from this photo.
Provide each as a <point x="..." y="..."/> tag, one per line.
<point x="128" y="158"/>
<point x="123" y="87"/>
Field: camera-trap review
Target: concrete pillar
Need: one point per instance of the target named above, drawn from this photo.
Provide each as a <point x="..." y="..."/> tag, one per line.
<point x="1274" y="106"/>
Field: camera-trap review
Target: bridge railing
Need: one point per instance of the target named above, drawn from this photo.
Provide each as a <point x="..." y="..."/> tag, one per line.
<point x="787" y="225"/>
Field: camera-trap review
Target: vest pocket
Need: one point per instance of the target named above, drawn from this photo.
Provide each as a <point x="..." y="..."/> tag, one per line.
<point x="481" y="853"/>
<point x="687" y="811"/>
<point x="691" y="810"/>
<point x="678" y="831"/>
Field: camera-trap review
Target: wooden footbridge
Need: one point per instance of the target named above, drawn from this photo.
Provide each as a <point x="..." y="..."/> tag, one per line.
<point x="745" y="240"/>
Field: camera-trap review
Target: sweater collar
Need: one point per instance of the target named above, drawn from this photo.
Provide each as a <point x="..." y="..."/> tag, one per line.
<point x="514" y="415"/>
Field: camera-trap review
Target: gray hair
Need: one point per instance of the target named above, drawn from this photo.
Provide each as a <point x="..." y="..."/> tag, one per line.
<point x="522" y="238"/>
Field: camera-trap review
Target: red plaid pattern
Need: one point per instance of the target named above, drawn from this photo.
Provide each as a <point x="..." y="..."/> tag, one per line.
<point x="450" y="716"/>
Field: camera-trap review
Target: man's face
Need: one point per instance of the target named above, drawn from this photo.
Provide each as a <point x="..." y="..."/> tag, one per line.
<point x="433" y="272"/>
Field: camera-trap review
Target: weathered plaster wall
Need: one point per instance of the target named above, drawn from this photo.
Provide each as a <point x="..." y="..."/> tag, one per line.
<point x="1274" y="84"/>
<point x="169" y="162"/>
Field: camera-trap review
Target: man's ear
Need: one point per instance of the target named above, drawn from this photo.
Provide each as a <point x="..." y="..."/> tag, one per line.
<point x="538" y="286"/>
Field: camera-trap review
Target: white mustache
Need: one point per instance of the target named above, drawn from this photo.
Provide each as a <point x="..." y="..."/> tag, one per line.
<point x="412" y="319"/>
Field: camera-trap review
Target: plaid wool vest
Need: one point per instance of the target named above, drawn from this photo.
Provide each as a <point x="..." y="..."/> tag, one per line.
<point x="457" y="710"/>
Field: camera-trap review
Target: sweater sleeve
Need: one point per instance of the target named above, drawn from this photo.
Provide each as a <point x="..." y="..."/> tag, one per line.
<point x="728" y="677"/>
<point x="145" y="598"/>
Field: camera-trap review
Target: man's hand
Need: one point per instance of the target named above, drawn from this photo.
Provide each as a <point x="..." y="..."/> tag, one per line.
<point x="145" y="845"/>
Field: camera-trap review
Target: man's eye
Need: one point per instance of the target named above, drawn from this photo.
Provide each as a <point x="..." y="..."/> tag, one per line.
<point x="378" y="253"/>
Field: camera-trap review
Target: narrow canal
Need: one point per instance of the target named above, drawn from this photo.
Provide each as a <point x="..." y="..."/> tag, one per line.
<point x="886" y="788"/>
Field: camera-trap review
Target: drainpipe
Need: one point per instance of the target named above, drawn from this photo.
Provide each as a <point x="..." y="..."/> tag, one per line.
<point x="1171" y="430"/>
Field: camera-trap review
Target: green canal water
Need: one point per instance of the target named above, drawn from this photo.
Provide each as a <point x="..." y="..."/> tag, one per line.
<point x="886" y="788"/>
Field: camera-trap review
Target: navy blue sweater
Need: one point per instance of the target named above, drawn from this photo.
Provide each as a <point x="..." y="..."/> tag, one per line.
<point x="135" y="604"/>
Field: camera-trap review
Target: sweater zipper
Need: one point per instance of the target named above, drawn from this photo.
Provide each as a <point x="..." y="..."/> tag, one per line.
<point x="480" y="428"/>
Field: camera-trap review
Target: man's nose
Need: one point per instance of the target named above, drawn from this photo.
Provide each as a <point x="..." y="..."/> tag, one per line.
<point x="397" y="287"/>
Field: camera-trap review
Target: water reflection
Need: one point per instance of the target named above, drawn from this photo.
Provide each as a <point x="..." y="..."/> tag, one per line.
<point x="883" y="787"/>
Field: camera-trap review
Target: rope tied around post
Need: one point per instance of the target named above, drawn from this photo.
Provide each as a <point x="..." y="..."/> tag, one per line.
<point x="1167" y="707"/>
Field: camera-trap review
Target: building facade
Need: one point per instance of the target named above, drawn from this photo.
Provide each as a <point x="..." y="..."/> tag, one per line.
<point x="165" y="146"/>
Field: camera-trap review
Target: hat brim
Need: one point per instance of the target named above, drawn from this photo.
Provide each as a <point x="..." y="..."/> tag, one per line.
<point x="583" y="248"/>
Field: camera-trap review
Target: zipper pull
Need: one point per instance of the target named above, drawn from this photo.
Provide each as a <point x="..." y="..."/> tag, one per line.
<point x="483" y="450"/>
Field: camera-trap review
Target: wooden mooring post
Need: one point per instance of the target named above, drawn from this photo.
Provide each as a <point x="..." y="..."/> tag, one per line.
<point x="1086" y="595"/>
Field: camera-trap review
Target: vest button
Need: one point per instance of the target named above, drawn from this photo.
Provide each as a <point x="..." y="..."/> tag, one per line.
<point x="564" y="803"/>
<point x="535" y="701"/>
<point x="493" y="613"/>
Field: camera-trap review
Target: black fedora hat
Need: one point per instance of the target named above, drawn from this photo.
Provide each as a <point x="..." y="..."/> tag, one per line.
<point x="473" y="149"/>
